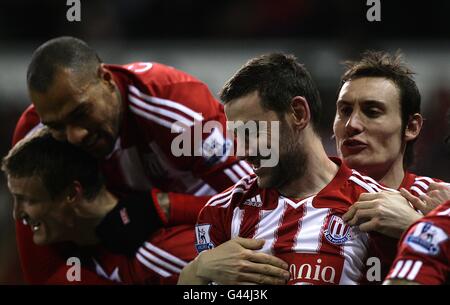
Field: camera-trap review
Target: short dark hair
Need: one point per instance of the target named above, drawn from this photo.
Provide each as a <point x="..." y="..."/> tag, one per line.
<point x="277" y="78"/>
<point x="391" y="67"/>
<point x="56" y="163"/>
<point x="60" y="52"/>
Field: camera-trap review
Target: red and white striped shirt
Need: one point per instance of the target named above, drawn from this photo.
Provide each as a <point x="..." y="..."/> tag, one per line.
<point x="308" y="234"/>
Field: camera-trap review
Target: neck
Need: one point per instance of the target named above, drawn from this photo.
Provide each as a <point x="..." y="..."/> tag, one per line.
<point x="90" y="214"/>
<point x="319" y="171"/>
<point x="394" y="175"/>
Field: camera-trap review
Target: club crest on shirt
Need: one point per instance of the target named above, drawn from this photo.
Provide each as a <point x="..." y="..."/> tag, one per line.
<point x="203" y="239"/>
<point x="337" y="231"/>
<point x="426" y="238"/>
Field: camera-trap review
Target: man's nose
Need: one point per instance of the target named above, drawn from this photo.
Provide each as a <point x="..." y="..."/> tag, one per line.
<point x="18" y="212"/>
<point x="76" y="134"/>
<point x="247" y="149"/>
<point x="354" y="124"/>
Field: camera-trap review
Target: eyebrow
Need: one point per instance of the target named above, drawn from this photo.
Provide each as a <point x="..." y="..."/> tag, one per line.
<point x="377" y="103"/>
<point x="19" y="197"/>
<point x="77" y="110"/>
<point x="369" y="101"/>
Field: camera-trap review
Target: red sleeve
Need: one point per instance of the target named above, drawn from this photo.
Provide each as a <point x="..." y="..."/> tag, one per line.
<point x="424" y="252"/>
<point x="27" y="121"/>
<point x="184" y="209"/>
<point x="161" y="259"/>
<point x="213" y="224"/>
<point x="208" y="155"/>
<point x="203" y="148"/>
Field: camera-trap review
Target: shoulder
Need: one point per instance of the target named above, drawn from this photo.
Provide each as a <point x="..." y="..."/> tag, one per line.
<point x="170" y="89"/>
<point x="234" y="195"/>
<point x="28" y="121"/>
<point x="428" y="233"/>
<point x="417" y="184"/>
<point x="367" y="183"/>
<point x="155" y="75"/>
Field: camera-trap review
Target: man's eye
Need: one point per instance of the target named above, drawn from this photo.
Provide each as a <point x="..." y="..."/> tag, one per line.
<point x="80" y="113"/>
<point x="31" y="201"/>
<point x="345" y="110"/>
<point x="56" y="127"/>
<point x="373" y="112"/>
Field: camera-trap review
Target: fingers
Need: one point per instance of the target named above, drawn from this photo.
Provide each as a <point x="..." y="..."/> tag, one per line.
<point x="371" y="225"/>
<point x="349" y="215"/>
<point x="253" y="273"/>
<point x="439" y="195"/>
<point x="433" y="199"/>
<point x="250" y="243"/>
<point x="361" y="216"/>
<point x="438" y="186"/>
<point x="265" y="269"/>
<point x="359" y="205"/>
<point x="426" y="198"/>
<point x="415" y="201"/>
<point x="268" y="260"/>
<point x="368" y="196"/>
<point x="259" y="279"/>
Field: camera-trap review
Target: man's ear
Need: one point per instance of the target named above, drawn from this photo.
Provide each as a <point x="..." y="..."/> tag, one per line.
<point x="301" y="114"/>
<point x="413" y="127"/>
<point x="74" y="193"/>
<point x="105" y="75"/>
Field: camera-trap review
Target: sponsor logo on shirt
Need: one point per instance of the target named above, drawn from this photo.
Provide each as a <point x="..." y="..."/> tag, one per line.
<point x="426" y="238"/>
<point x="203" y="239"/>
<point x="254" y="201"/>
<point x="337" y="231"/>
<point x="308" y="273"/>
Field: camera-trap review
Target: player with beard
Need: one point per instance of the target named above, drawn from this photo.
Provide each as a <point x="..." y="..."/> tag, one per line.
<point x="124" y="116"/>
<point x="293" y="209"/>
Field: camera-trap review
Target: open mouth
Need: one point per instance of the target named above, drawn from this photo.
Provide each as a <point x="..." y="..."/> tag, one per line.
<point x="256" y="165"/>
<point x="34" y="225"/>
<point x="353" y="146"/>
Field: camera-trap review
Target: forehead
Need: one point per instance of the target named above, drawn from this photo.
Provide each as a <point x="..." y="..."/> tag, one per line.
<point x="248" y="108"/>
<point x="31" y="187"/>
<point x="66" y="91"/>
<point x="370" y="89"/>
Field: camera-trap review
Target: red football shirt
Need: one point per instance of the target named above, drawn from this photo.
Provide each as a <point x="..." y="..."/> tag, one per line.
<point x="154" y="97"/>
<point x="308" y="234"/>
<point x="424" y="250"/>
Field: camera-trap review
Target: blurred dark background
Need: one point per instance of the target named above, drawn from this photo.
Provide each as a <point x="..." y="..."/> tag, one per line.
<point x="212" y="39"/>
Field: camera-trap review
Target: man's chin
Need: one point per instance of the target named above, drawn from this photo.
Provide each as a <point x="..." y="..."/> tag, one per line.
<point x="264" y="181"/>
<point x="100" y="150"/>
<point x="358" y="162"/>
<point x="41" y="241"/>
